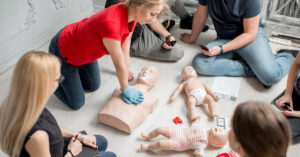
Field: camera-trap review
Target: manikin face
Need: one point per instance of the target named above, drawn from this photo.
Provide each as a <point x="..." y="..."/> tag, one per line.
<point x="188" y="72"/>
<point x="217" y="137"/>
<point x="148" y="76"/>
<point x="148" y="15"/>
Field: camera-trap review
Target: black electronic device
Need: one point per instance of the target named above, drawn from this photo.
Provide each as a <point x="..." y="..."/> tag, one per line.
<point x="204" y="47"/>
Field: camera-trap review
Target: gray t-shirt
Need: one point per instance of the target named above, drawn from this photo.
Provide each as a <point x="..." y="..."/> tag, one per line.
<point x="228" y="15"/>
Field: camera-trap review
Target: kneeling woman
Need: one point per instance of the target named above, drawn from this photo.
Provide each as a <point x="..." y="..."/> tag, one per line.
<point x="27" y="128"/>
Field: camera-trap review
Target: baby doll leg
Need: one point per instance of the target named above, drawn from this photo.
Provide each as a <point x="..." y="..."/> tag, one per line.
<point x="211" y="105"/>
<point x="192" y="101"/>
<point x="164" y="131"/>
<point x="158" y="145"/>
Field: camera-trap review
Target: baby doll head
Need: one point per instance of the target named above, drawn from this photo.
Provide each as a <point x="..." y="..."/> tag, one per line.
<point x="148" y="76"/>
<point x="188" y="72"/>
<point x="217" y="137"/>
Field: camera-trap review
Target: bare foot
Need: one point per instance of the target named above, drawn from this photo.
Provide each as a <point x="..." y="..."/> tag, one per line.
<point x="145" y="136"/>
<point x="144" y="147"/>
<point x="213" y="115"/>
<point x="196" y="120"/>
<point x="193" y="116"/>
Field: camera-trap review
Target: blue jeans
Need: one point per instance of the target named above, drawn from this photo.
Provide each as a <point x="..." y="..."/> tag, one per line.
<point x="101" y="142"/>
<point x="256" y="58"/>
<point x="77" y="79"/>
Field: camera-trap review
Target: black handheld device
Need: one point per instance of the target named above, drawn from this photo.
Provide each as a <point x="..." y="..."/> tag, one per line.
<point x="171" y="43"/>
<point x="286" y="107"/>
<point x="204" y="47"/>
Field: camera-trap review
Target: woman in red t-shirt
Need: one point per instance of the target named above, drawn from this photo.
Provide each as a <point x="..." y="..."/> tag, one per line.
<point x="108" y="32"/>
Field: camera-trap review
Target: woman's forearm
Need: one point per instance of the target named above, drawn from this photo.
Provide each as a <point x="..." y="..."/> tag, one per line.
<point x="292" y="77"/>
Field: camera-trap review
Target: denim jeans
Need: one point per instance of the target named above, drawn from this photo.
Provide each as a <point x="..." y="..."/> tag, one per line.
<point x="77" y="79"/>
<point x="101" y="142"/>
<point x="256" y="58"/>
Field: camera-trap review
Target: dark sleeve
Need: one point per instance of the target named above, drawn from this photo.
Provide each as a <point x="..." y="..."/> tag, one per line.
<point x="252" y="8"/>
<point x="109" y="3"/>
<point x="202" y="2"/>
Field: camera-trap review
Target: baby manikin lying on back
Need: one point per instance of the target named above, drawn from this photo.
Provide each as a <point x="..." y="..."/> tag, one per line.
<point x="197" y="92"/>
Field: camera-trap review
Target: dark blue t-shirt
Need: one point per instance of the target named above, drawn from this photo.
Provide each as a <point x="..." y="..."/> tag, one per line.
<point x="228" y="15"/>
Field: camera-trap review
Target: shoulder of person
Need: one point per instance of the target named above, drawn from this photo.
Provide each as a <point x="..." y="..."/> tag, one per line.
<point x="40" y="136"/>
<point x="38" y="139"/>
<point x="38" y="144"/>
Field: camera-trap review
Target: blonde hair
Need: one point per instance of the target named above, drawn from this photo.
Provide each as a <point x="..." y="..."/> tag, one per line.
<point x="150" y="4"/>
<point x="261" y="131"/>
<point x="31" y="86"/>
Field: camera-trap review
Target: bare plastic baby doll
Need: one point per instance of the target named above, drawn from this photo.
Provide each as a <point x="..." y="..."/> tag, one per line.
<point x="182" y="139"/>
<point x="197" y="93"/>
<point x="126" y="117"/>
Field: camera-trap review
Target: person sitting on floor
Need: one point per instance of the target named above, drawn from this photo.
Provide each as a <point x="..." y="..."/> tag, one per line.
<point x="27" y="128"/>
<point x="150" y="40"/>
<point x="257" y="130"/>
<point x="292" y="98"/>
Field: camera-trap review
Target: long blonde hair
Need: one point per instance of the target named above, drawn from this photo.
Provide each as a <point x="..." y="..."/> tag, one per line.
<point x="31" y="86"/>
<point x="149" y="4"/>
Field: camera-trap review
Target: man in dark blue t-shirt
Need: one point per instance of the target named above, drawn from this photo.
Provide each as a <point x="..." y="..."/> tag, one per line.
<point x="241" y="47"/>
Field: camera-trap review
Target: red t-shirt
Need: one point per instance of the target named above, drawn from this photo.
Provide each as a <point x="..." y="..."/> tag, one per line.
<point x="81" y="42"/>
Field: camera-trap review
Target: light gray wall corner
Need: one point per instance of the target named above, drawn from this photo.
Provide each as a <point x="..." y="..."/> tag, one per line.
<point x="30" y="24"/>
<point x="98" y="5"/>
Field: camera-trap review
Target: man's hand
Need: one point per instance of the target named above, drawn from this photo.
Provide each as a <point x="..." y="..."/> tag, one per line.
<point x="187" y="38"/>
<point x="216" y="50"/>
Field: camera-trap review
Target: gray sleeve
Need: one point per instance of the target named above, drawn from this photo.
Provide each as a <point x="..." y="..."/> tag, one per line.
<point x="252" y="8"/>
<point x="202" y="2"/>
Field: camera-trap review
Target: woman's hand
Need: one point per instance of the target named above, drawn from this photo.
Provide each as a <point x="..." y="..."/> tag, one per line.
<point x="75" y="147"/>
<point x="130" y="76"/>
<point x="90" y="140"/>
<point x="216" y="50"/>
<point x="285" y="99"/>
<point x="170" y="39"/>
<point x="291" y="113"/>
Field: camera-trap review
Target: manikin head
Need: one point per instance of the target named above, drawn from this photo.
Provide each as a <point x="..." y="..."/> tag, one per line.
<point x="188" y="72"/>
<point x="148" y="76"/>
<point x="217" y="137"/>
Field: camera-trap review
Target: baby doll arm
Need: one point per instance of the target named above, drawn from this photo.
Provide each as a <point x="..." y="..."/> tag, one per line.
<point x="198" y="149"/>
<point x="176" y="92"/>
<point x="211" y="93"/>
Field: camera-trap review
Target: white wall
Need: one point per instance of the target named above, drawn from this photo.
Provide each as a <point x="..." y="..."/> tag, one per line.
<point x="98" y="5"/>
<point x="28" y="24"/>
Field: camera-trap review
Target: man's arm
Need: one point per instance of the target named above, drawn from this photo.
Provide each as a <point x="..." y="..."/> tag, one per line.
<point x="250" y="30"/>
<point x="198" y="23"/>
